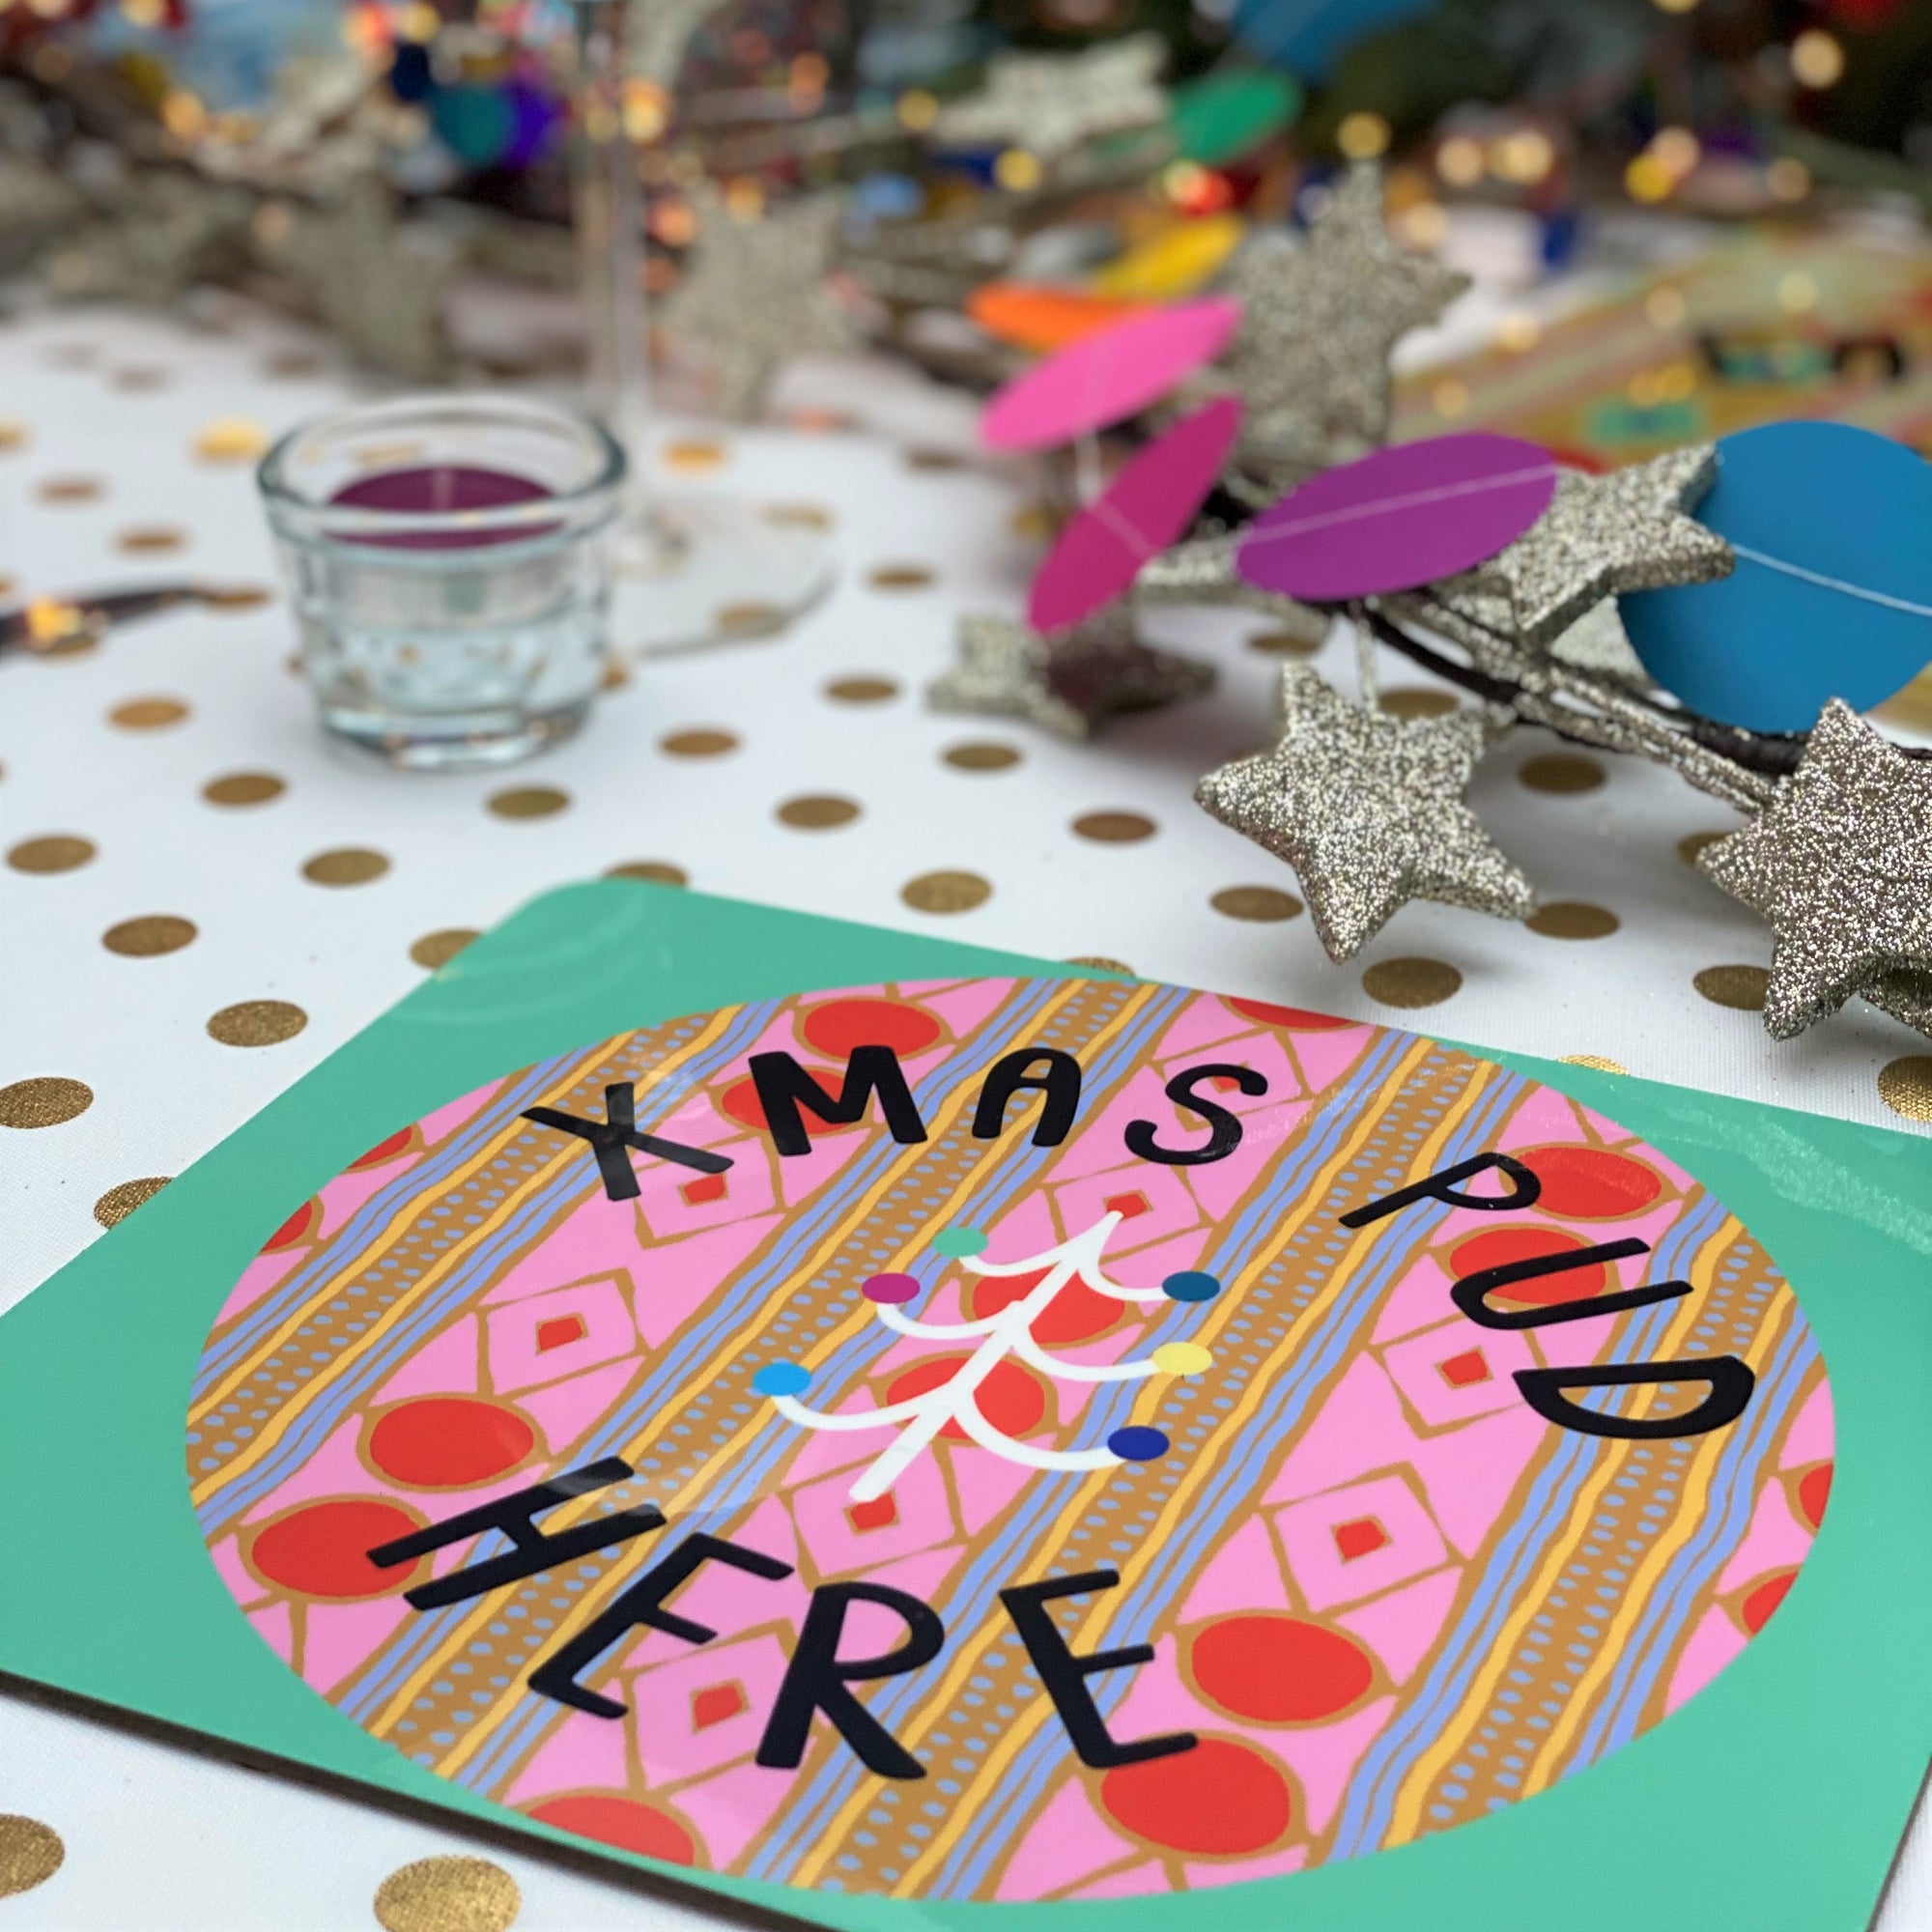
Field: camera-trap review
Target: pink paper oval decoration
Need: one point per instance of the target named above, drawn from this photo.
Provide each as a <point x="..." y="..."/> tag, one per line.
<point x="1142" y="510"/>
<point x="1399" y="517"/>
<point x="1108" y="376"/>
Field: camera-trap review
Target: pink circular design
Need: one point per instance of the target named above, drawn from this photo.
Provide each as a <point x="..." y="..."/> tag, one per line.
<point x="893" y="1289"/>
<point x="1108" y="376"/>
<point x="1399" y="517"/>
<point x="1142" y="510"/>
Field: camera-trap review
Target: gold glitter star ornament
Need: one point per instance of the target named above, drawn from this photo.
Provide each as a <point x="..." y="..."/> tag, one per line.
<point x="1369" y="811"/>
<point x="1051" y="103"/>
<point x="1840" y="864"/>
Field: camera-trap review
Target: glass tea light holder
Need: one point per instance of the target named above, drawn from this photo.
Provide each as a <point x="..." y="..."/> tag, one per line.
<point x="449" y="560"/>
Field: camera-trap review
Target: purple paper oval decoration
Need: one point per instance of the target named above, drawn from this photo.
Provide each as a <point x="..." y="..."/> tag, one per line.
<point x="1108" y="376"/>
<point x="1399" y="517"/>
<point x="1142" y="510"/>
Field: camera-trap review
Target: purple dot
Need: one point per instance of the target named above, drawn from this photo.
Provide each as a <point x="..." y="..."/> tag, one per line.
<point x="891" y="1287"/>
<point x="1135" y="1445"/>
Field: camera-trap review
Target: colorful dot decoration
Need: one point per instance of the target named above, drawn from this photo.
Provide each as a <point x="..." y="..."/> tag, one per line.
<point x="782" y="1378"/>
<point x="1190" y="1285"/>
<point x="1136" y="1444"/>
<point x="959" y="1242"/>
<point x="891" y="1290"/>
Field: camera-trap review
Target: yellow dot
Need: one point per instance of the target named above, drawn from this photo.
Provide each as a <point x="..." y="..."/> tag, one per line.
<point x="1598" y="1063"/>
<point x="1519" y="331"/>
<point x="1664" y="309"/>
<point x="1017" y="171"/>
<point x="1449" y="398"/>
<point x="1425" y="225"/>
<point x="1788" y="178"/>
<point x="1674" y="6"/>
<point x="1181" y="1359"/>
<point x="1647" y="178"/>
<point x="1524" y="157"/>
<point x="1817" y="60"/>
<point x="448" y="1895"/>
<point x="1363" y="135"/>
<point x="231" y="440"/>
<point x="918" y="109"/>
<point x="1459" y="162"/>
<point x="1677" y="382"/>
<point x="1678" y="148"/>
<point x="1796" y="291"/>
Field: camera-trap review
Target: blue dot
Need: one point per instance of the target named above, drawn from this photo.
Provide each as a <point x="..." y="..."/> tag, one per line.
<point x="1190" y="1285"/>
<point x="782" y="1378"/>
<point x="1135" y="1445"/>
<point x="958" y="1242"/>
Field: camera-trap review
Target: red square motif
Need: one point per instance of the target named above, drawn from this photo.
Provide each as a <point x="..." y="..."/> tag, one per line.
<point x="1127" y="1205"/>
<point x="706" y="1187"/>
<point x="717" y="1704"/>
<point x="559" y="1331"/>
<point x="1464" y="1371"/>
<point x="1360" y="1536"/>
<point x="874" y="1514"/>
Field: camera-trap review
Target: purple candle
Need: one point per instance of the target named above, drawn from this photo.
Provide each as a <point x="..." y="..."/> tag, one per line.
<point x="444" y="489"/>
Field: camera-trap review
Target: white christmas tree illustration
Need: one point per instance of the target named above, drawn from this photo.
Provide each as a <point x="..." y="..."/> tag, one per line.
<point x="1007" y="1332"/>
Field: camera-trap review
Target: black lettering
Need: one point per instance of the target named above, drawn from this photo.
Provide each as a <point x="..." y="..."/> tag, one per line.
<point x="1224" y="1128"/>
<point x="1730" y="1383"/>
<point x="512" y="1514"/>
<point x="1059" y="1086"/>
<point x="1470" y="1293"/>
<point x="642" y="1604"/>
<point x="816" y="1678"/>
<point x="1442" y="1187"/>
<point x="611" y="1138"/>
<point x="1066" y="1675"/>
<point x="784" y="1086"/>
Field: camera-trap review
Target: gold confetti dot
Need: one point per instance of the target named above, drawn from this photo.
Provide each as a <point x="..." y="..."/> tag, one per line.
<point x="935" y="462"/>
<point x="799" y="516"/>
<point x="1036" y="523"/>
<point x="14" y="434"/>
<point x="749" y="620"/>
<point x="289" y="365"/>
<point x="147" y="714"/>
<point x="1905" y="1085"/>
<point x="946" y="891"/>
<point x="1572" y="919"/>
<point x="817" y="811"/>
<point x="1742" y="988"/>
<point x="695" y="455"/>
<point x="615" y="677"/>
<point x="1283" y="643"/>
<point x="1418" y="700"/>
<point x="231" y="440"/>
<point x="439" y="949"/>
<point x="71" y="489"/>
<point x="655" y="872"/>
<point x="702" y="743"/>
<point x="861" y="689"/>
<point x="529" y="802"/>
<point x="1561" y="771"/>
<point x="448" y="1895"/>
<point x="149" y="936"/>
<point x="138" y="378"/>
<point x="1595" y="1061"/>
<point x="1098" y="962"/>
<point x="44" y="1101"/>
<point x="1255" y="902"/>
<point x="1689" y="847"/>
<point x="1114" y="828"/>
<point x="257" y="1023"/>
<point x="57" y="852"/>
<point x="29" y="1854"/>
<point x="236" y="596"/>
<point x="901" y="577"/>
<point x="118" y="1203"/>
<point x="348" y="865"/>
<point x="1411" y="982"/>
<point x="244" y="788"/>
<point x="147" y="539"/>
<point x="981" y="756"/>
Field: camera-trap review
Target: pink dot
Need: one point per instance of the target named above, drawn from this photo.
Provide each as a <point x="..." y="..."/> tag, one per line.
<point x="892" y="1288"/>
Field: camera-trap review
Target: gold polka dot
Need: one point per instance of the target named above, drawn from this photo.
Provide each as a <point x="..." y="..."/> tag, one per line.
<point x="118" y="1203"/>
<point x="257" y="1023"/>
<point x="347" y="865"/>
<point x="138" y="378"/>
<point x="1595" y="1061"/>
<point x="817" y="811"/>
<point x="1742" y="988"/>
<point x="529" y="802"/>
<point x="57" y="852"/>
<point x="901" y="577"/>
<point x="616" y="677"/>
<point x="1098" y="962"/>
<point x="1689" y="847"/>
<point x="147" y="714"/>
<point x="14" y="434"/>
<point x="8" y="585"/>
<point x="236" y="596"/>
<point x="44" y="1101"/>
<point x="1905" y="1085"/>
<point x="149" y="539"/>
<point x="1562" y="772"/>
<point x="244" y="788"/>
<point x="1283" y="643"/>
<point x="702" y="743"/>
<point x="821" y="421"/>
<point x="439" y="949"/>
<point x="149" y="936"/>
<point x="934" y="461"/>
<point x="1114" y="828"/>
<point x="749" y="620"/>
<point x="29" y="1854"/>
<point x="655" y="872"/>
<point x="448" y="1895"/>
<point x="1036" y="523"/>
<point x="231" y="440"/>
<point x="946" y="891"/>
<point x="1411" y="982"/>
<point x="861" y="689"/>
<point x="981" y="756"/>
<point x="1418" y="700"/>
<point x="800" y="516"/>
<point x="694" y="454"/>
<point x="1256" y="902"/>
<point x="288" y="365"/>
<point x="70" y="488"/>
<point x="1572" y="919"/>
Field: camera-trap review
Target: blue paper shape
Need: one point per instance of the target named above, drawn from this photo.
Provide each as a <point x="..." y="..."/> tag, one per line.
<point x="1832" y="596"/>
